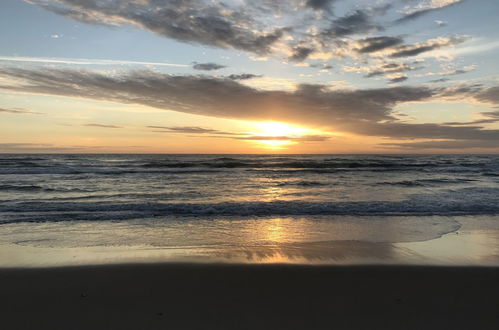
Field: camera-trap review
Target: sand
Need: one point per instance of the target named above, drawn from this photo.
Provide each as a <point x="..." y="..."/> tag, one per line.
<point x="242" y="296"/>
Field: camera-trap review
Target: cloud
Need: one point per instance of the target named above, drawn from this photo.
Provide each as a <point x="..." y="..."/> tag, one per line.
<point x="474" y="122"/>
<point x="319" y="4"/>
<point x="370" y="45"/>
<point x="208" y="66"/>
<point x="243" y="76"/>
<point x="194" y="21"/>
<point x="364" y="112"/>
<point x="451" y="144"/>
<point x="425" y="8"/>
<point x="439" y="80"/>
<point x="189" y="130"/>
<point x="354" y="23"/>
<point x="322" y="66"/>
<point x="453" y="72"/>
<point x="398" y="79"/>
<point x="102" y="126"/>
<point x="21" y="111"/>
<point x="298" y="30"/>
<point x="422" y="47"/>
<point x="83" y="61"/>
<point x="489" y="95"/>
<point x="51" y="148"/>
<point x="385" y="68"/>
<point x="300" y="54"/>
<point x="236" y="136"/>
<point x="440" y="23"/>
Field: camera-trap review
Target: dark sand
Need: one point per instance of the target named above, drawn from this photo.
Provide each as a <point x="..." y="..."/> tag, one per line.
<point x="209" y="296"/>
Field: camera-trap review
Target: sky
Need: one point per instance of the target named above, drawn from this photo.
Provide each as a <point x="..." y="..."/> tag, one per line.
<point x="249" y="76"/>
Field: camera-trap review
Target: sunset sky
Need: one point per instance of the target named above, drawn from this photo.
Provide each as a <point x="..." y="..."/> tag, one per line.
<point x="249" y="76"/>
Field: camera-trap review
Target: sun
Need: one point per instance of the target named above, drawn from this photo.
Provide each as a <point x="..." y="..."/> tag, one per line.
<point x="280" y="135"/>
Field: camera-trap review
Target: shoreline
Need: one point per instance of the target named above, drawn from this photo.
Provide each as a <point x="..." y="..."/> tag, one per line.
<point x="472" y="245"/>
<point x="249" y="296"/>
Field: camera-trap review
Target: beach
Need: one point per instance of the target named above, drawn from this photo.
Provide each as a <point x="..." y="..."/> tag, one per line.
<point x="322" y="285"/>
<point x="221" y="296"/>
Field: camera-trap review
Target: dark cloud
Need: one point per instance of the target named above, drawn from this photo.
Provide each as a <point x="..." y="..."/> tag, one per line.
<point x="243" y="76"/>
<point x="422" y="47"/>
<point x="433" y="131"/>
<point x="381" y="10"/>
<point x="220" y="97"/>
<point x="418" y="13"/>
<point x="208" y="66"/>
<point x="452" y="144"/>
<point x="398" y="79"/>
<point x="354" y="23"/>
<point x="365" y="112"/>
<point x="102" y="125"/>
<point x="322" y="66"/>
<point x="489" y="95"/>
<point x="375" y="44"/>
<point x="300" y="54"/>
<point x="21" y="111"/>
<point x="439" y="80"/>
<point x="319" y="4"/>
<point x="474" y="122"/>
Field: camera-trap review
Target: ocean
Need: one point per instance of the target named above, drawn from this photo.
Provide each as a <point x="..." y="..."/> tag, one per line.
<point x="240" y="206"/>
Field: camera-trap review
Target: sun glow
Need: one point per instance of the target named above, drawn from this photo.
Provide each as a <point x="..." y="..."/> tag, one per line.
<point x="275" y="135"/>
<point x="280" y="129"/>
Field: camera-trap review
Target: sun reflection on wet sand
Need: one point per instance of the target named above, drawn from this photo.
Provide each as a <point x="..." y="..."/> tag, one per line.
<point x="323" y="240"/>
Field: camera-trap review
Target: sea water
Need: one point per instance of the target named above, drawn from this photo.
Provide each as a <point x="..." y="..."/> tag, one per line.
<point x="227" y="203"/>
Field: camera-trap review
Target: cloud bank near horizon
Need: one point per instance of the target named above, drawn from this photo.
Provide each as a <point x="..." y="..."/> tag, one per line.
<point x="368" y="112"/>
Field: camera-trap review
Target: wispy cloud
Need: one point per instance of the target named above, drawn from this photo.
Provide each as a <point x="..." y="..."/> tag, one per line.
<point x="427" y="46"/>
<point x="21" y="111"/>
<point x="102" y="125"/>
<point x="52" y="148"/>
<point x="424" y="8"/>
<point x="207" y="66"/>
<point x="189" y="130"/>
<point x="80" y="61"/>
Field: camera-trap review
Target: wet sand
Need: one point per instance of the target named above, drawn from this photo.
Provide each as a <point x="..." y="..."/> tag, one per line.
<point x="242" y="296"/>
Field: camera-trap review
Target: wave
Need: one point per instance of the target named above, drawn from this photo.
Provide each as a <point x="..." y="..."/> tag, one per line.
<point x="302" y="183"/>
<point x="425" y="182"/>
<point x="96" y="171"/>
<point x="286" y="164"/>
<point x="114" y="164"/>
<point x="468" y="201"/>
<point x="23" y="188"/>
